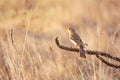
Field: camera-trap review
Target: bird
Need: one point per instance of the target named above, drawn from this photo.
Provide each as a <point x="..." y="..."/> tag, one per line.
<point x="76" y="40"/>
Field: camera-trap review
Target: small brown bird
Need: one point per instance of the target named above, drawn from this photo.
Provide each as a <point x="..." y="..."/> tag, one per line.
<point x="75" y="39"/>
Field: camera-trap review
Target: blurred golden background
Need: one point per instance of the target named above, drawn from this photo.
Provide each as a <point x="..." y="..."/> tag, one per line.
<point x="35" y="24"/>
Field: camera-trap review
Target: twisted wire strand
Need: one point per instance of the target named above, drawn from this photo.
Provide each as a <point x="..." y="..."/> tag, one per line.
<point x="107" y="63"/>
<point x="103" y="54"/>
<point x="97" y="53"/>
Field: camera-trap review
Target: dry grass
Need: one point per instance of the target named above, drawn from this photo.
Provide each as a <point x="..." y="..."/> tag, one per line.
<point x="35" y="55"/>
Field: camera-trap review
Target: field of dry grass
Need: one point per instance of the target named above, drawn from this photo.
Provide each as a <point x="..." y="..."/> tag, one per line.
<point x="33" y="54"/>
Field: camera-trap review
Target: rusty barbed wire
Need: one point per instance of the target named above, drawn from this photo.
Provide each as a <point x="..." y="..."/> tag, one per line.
<point x="97" y="53"/>
<point x="107" y="63"/>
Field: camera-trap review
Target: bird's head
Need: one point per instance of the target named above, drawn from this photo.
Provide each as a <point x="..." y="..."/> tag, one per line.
<point x="69" y="29"/>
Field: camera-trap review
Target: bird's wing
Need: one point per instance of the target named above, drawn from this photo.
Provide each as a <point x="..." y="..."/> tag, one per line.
<point x="76" y="38"/>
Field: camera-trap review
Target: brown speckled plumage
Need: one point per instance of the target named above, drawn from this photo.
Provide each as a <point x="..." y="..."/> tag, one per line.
<point x="75" y="39"/>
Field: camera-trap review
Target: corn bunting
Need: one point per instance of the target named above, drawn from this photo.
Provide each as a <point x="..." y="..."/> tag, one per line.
<point x="76" y="40"/>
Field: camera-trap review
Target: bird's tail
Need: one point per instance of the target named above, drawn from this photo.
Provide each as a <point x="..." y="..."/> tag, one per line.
<point x="82" y="53"/>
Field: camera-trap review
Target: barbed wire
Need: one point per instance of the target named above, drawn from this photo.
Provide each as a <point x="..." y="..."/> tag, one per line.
<point x="97" y="53"/>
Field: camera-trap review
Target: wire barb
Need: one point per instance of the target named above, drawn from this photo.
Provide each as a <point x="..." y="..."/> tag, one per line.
<point x="97" y="53"/>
